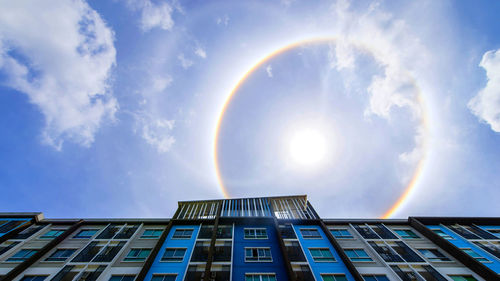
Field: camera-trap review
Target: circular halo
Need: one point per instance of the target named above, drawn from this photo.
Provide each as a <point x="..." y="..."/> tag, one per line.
<point x="410" y="188"/>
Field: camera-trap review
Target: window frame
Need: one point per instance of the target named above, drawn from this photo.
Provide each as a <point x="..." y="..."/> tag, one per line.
<point x="406" y="230"/>
<point x="308" y="237"/>
<point x="358" y="258"/>
<point x="33" y="276"/>
<point x="44" y="236"/>
<point x="444" y="235"/>
<point x="254" y="237"/>
<point x="258" y="257"/>
<point x="162" y="259"/>
<point x="479" y="258"/>
<point x="150" y="236"/>
<point x="260" y="274"/>
<point x="136" y="259"/>
<point x="183" y="237"/>
<point x="31" y="250"/>
<point x="164" y="275"/>
<point x="321" y="260"/>
<point x="86" y="237"/>
<point x="342" y="236"/>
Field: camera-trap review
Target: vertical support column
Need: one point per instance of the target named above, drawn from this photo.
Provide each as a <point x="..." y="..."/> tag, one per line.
<point x="350" y="266"/>
<point x="30" y="261"/>
<point x="149" y="261"/>
<point x="211" y="249"/>
<point x="284" y="253"/>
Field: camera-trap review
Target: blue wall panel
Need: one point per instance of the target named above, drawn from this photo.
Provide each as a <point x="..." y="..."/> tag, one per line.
<point x="240" y="267"/>
<point x="7" y="220"/>
<point x="179" y="268"/>
<point x="460" y="242"/>
<point x="318" y="268"/>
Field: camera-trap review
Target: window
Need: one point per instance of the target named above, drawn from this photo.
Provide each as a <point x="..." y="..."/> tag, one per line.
<point x="137" y="255"/>
<point x="182" y="234"/>
<point x="122" y="278"/>
<point x="321" y="255"/>
<point x="462" y="278"/>
<point x="151" y="233"/>
<point x="406" y="233"/>
<point x="51" y="234"/>
<point x="260" y="277"/>
<point x="433" y="255"/>
<point x="258" y="255"/>
<point x="23" y="255"/>
<point x="375" y="278"/>
<point x="85" y="233"/>
<point x="255" y="233"/>
<point x="164" y="277"/>
<point x="357" y="255"/>
<point x="442" y="234"/>
<point x="310" y="233"/>
<point x="475" y="255"/>
<point x="61" y="255"/>
<point x="34" y="278"/>
<point x="173" y="255"/>
<point x="333" y="277"/>
<point x="341" y="233"/>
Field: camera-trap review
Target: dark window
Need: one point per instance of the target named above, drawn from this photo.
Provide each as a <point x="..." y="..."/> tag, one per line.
<point x="366" y="232"/>
<point x="287" y="232"/>
<point x="385" y="252"/>
<point x="173" y="255"/>
<point x="92" y="275"/>
<point x="5" y="248"/>
<point x="168" y="277"/>
<point x="200" y="252"/>
<point x="10" y="226"/>
<point x="321" y="254"/>
<point x="404" y="275"/>
<point x="295" y="251"/>
<point x="126" y="232"/>
<point x="490" y="248"/>
<point x="442" y="234"/>
<point x="429" y="273"/>
<point x="463" y="232"/>
<point x="310" y="233"/>
<point x="34" y="278"/>
<point x="223" y="252"/>
<point x="137" y="255"/>
<point x="224" y="231"/>
<point x="85" y="233"/>
<point x="333" y="277"/>
<point x="406" y="253"/>
<point x="61" y="255"/>
<point x="65" y="274"/>
<point x="88" y="253"/>
<point x="108" y="232"/>
<point x="122" y="278"/>
<point x="341" y="233"/>
<point x="383" y="232"/>
<point x="152" y="233"/>
<point x="108" y="253"/>
<point x="206" y="232"/>
<point x="183" y="233"/>
<point x="375" y="278"/>
<point x="23" y="255"/>
<point x="258" y="255"/>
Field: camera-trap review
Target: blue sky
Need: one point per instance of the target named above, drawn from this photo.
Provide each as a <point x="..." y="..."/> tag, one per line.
<point x="110" y="108"/>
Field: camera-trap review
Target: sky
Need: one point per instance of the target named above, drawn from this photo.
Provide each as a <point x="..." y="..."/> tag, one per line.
<point x="371" y="108"/>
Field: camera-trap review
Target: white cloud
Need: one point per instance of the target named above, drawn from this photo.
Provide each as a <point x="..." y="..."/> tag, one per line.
<point x="269" y="70"/>
<point x="153" y="14"/>
<point x="223" y="20"/>
<point x="160" y="82"/>
<point x="156" y="132"/>
<point x="486" y="104"/>
<point x="185" y="62"/>
<point x="60" y="54"/>
<point x="200" y="52"/>
<point x="341" y="55"/>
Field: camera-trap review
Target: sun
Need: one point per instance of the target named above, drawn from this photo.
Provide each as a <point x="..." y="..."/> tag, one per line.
<point x="307" y="147"/>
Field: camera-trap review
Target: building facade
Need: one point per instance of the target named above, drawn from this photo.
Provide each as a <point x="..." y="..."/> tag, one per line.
<point x="248" y="239"/>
